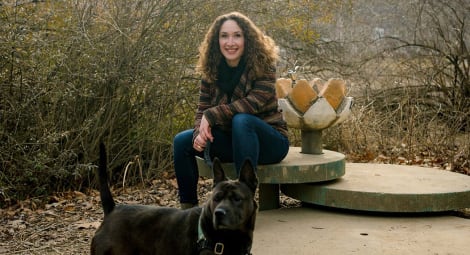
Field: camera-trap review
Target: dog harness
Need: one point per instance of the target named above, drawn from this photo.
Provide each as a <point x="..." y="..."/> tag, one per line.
<point x="204" y="244"/>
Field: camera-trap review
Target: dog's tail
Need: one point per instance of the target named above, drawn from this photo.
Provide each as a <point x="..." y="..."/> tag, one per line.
<point x="105" y="194"/>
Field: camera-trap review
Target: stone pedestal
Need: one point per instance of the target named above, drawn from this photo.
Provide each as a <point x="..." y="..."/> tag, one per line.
<point x="312" y="141"/>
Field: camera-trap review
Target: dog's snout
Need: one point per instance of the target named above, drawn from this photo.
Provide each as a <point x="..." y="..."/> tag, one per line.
<point x="220" y="212"/>
<point x="221" y="219"/>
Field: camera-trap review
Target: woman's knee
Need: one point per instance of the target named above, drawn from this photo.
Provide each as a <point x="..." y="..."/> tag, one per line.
<point x="183" y="138"/>
<point x="242" y="120"/>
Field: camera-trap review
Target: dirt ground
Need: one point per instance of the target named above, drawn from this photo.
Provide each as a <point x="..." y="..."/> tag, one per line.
<point x="66" y="224"/>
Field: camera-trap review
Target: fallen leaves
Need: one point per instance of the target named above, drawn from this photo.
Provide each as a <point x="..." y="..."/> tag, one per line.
<point x="85" y="224"/>
<point x="404" y="155"/>
<point x="66" y="224"/>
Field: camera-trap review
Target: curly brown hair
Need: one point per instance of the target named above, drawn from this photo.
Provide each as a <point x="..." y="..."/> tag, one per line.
<point x="260" y="54"/>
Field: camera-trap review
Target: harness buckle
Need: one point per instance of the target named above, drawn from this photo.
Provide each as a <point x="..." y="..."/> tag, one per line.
<point x="219" y="249"/>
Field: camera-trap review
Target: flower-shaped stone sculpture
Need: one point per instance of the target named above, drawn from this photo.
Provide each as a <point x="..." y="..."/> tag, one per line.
<point x="313" y="106"/>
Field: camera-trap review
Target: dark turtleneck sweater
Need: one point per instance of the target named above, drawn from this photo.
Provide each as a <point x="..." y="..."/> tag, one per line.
<point x="228" y="77"/>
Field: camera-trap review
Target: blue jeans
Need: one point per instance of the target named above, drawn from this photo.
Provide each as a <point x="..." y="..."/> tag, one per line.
<point x="250" y="138"/>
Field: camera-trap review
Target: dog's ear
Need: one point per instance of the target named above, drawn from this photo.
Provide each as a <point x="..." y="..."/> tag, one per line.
<point x="248" y="175"/>
<point x="218" y="172"/>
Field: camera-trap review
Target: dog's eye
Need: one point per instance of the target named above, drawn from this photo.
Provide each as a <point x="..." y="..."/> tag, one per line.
<point x="237" y="199"/>
<point x="218" y="197"/>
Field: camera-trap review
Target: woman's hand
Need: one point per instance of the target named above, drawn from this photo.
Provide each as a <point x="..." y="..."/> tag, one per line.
<point x="199" y="144"/>
<point x="205" y="134"/>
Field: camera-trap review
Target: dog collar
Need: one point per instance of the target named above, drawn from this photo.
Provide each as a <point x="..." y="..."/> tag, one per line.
<point x="204" y="244"/>
<point x="202" y="241"/>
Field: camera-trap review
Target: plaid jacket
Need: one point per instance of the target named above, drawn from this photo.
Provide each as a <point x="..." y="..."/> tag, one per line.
<point x="253" y="96"/>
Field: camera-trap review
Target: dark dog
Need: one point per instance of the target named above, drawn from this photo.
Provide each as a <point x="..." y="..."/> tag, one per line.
<point x="223" y="225"/>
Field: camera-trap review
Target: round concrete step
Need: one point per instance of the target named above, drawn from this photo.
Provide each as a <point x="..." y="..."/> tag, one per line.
<point x="296" y="167"/>
<point x="388" y="188"/>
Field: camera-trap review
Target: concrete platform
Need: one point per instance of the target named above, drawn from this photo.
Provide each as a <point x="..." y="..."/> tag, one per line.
<point x="296" y="167"/>
<point x="388" y="188"/>
<point x="313" y="231"/>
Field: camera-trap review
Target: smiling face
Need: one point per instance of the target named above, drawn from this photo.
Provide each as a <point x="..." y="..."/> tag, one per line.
<point x="231" y="42"/>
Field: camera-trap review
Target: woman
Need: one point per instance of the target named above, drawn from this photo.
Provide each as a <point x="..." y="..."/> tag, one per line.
<point x="237" y="111"/>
